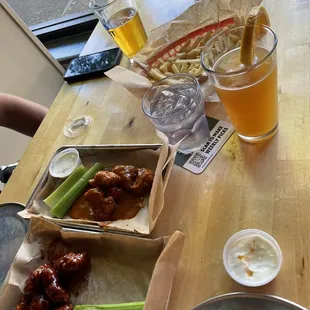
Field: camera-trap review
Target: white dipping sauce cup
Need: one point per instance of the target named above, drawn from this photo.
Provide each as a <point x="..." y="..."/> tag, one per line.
<point x="70" y="165"/>
<point x="251" y="233"/>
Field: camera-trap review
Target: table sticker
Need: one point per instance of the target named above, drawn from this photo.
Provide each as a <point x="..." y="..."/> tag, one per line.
<point x="198" y="161"/>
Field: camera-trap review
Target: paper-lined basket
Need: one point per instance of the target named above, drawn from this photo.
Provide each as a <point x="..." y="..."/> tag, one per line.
<point x="158" y="158"/>
<point x="123" y="268"/>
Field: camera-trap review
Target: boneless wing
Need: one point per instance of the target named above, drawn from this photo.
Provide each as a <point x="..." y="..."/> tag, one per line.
<point x="56" y="250"/>
<point x="40" y="303"/>
<point x="24" y="304"/>
<point x="127" y="175"/>
<point x="143" y="182"/>
<point x="136" y="180"/>
<point x="72" y="262"/>
<point x="105" y="179"/>
<point x="101" y="208"/>
<point x="94" y="196"/>
<point x="57" y="294"/>
<point x="116" y="193"/>
<point x="45" y="279"/>
<point x="40" y="279"/>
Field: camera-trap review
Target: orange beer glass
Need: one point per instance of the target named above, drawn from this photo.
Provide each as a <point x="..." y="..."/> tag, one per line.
<point x="249" y="94"/>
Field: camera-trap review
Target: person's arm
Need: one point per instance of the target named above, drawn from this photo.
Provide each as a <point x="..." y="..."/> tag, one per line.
<point x="20" y="114"/>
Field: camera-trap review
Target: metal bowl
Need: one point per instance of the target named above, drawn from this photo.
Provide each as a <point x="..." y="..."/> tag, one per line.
<point x="248" y="301"/>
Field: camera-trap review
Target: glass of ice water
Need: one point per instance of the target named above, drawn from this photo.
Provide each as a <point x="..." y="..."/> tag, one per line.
<point x="176" y="107"/>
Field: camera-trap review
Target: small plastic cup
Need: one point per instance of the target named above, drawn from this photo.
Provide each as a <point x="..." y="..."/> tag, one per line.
<point x="249" y="233"/>
<point x="64" y="163"/>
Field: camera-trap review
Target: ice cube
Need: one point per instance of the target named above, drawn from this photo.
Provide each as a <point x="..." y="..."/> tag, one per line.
<point x="167" y="94"/>
<point x="168" y="107"/>
<point x="158" y="113"/>
<point x="162" y="108"/>
<point x="189" y="92"/>
<point x="155" y="105"/>
<point x="182" y="103"/>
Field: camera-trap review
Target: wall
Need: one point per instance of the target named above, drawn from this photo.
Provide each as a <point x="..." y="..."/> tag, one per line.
<point x="26" y="70"/>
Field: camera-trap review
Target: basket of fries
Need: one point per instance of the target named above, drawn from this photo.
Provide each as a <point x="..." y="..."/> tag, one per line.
<point x="183" y="55"/>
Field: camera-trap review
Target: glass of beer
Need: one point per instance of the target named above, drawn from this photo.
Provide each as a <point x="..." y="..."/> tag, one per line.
<point x="122" y="20"/>
<point x="249" y="94"/>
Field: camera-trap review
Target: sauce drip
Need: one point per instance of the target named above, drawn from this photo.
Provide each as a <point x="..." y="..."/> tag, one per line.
<point x="81" y="209"/>
<point x="127" y="208"/>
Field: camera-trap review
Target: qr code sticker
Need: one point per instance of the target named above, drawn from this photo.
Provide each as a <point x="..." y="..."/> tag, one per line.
<point x="198" y="160"/>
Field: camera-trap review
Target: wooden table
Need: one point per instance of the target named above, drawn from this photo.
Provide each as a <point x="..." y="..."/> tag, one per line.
<point x="264" y="186"/>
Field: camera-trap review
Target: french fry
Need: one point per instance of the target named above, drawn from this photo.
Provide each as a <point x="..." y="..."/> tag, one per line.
<point x="221" y="43"/>
<point x="217" y="46"/>
<point x="175" y="69"/>
<point x="237" y="20"/>
<point x="233" y="38"/>
<point x="206" y="60"/>
<point x="185" y="46"/>
<point x="230" y="44"/>
<point x="156" y="74"/>
<point x="168" y="73"/>
<point x="161" y="61"/>
<point x="214" y="50"/>
<point x="181" y="55"/>
<point x="205" y="38"/>
<point x="164" y="68"/>
<point x="192" y="66"/>
<point x="193" y="53"/>
<point x="184" y="68"/>
<point x="189" y="61"/>
<point x="196" y="42"/>
<point x="171" y="58"/>
<point x="238" y="43"/>
<point x="198" y="71"/>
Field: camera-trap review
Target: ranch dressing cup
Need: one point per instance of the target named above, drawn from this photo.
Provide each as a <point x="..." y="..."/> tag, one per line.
<point x="252" y="257"/>
<point x="64" y="163"/>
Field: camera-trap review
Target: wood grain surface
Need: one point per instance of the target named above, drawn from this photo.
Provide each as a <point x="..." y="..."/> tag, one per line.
<point x="264" y="186"/>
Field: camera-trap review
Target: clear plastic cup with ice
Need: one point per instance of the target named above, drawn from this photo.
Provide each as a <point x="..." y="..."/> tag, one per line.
<point x="176" y="107"/>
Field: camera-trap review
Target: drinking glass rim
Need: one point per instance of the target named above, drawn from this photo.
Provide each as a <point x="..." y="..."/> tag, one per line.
<point x="96" y="7"/>
<point x="246" y="68"/>
<point x="169" y="77"/>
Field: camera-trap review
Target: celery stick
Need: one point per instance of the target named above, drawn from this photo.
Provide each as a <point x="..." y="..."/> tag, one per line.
<point x="126" y="306"/>
<point x="54" y="197"/>
<point x="64" y="204"/>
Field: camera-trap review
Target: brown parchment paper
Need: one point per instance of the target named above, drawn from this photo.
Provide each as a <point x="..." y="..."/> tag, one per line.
<point x="160" y="161"/>
<point x="123" y="268"/>
<point x="197" y="16"/>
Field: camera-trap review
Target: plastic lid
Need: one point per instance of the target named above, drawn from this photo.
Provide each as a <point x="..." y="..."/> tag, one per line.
<point x="77" y="126"/>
